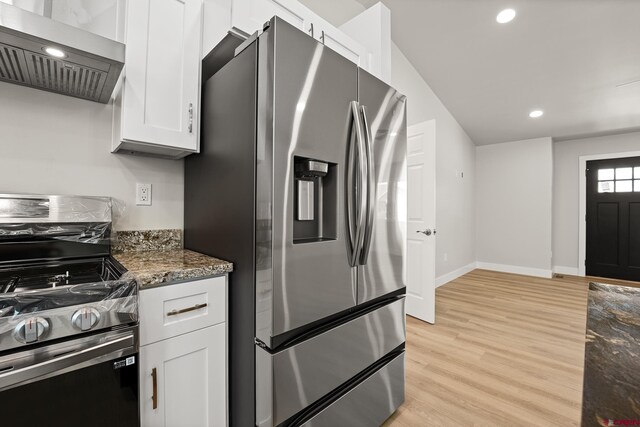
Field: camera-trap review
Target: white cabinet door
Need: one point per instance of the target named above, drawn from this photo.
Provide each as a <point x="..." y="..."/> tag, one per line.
<point x="215" y="23"/>
<point x="162" y="73"/>
<point x="249" y="16"/>
<point x="190" y="380"/>
<point x="335" y="39"/>
<point x="372" y="29"/>
<point x="102" y="17"/>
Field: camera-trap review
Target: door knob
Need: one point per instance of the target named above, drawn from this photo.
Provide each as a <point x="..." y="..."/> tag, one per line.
<point x="427" y="232"/>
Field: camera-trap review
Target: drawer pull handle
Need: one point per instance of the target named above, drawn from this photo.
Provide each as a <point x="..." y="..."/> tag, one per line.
<point x="186" y="310"/>
<point x="154" y="396"/>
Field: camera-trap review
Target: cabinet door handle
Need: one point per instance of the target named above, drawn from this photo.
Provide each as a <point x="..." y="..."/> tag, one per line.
<point x="190" y="117"/>
<point x="188" y="309"/>
<point x="311" y="30"/>
<point x="322" y="37"/>
<point x="154" y="396"/>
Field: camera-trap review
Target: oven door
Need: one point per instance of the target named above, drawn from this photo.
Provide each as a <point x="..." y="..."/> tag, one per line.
<point x="87" y="381"/>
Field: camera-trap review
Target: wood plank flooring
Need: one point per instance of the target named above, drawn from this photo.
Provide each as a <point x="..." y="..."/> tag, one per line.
<point x="506" y="350"/>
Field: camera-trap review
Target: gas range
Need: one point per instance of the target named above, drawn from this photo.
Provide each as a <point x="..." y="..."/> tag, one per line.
<point x="57" y="278"/>
<point x="68" y="315"/>
<point x="48" y="301"/>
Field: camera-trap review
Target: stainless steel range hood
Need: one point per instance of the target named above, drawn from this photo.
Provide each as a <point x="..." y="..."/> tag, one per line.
<point x="89" y="69"/>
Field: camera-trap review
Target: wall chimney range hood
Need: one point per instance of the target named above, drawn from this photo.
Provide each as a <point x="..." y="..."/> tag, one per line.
<point x="42" y="53"/>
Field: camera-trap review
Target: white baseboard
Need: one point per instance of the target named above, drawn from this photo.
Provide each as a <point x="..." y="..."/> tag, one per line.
<point x="446" y="278"/>
<point x="515" y="269"/>
<point x="561" y="269"/>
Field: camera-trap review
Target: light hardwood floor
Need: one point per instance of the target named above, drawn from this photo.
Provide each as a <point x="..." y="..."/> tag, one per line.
<point x="506" y="350"/>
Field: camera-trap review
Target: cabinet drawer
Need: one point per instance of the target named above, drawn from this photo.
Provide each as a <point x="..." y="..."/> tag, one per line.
<point x="177" y="309"/>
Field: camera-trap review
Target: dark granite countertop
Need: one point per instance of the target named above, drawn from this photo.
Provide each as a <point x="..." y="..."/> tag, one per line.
<point x="612" y="356"/>
<point x="158" y="267"/>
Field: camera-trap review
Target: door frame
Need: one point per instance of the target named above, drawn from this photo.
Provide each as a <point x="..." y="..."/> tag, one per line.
<point x="582" y="210"/>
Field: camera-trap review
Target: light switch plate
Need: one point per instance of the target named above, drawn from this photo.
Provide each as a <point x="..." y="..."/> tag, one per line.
<point x="143" y="194"/>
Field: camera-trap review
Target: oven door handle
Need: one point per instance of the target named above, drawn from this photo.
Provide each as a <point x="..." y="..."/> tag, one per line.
<point x="69" y="362"/>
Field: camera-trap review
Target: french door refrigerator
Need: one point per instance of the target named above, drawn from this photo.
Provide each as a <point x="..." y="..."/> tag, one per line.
<point x="301" y="183"/>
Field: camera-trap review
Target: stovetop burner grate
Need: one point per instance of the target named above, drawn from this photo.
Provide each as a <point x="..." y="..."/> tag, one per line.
<point x="39" y="287"/>
<point x="23" y="278"/>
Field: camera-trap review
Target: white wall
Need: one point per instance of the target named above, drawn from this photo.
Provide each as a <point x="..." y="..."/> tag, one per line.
<point x="514" y="206"/>
<point x="54" y="144"/>
<point x="566" y="190"/>
<point x="455" y="154"/>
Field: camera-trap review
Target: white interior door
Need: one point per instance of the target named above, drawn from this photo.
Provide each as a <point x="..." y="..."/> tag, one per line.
<point x="421" y="233"/>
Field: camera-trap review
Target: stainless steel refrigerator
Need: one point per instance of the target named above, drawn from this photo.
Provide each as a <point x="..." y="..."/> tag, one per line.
<point x="301" y="183"/>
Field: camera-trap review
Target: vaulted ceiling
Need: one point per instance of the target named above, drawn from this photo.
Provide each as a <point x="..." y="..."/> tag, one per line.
<point x="577" y="60"/>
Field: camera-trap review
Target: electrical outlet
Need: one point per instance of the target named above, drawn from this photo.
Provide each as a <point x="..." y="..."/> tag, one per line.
<point x="143" y="194"/>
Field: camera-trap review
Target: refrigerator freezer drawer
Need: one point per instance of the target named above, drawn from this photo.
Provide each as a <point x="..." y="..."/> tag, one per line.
<point x="292" y="379"/>
<point x="370" y="403"/>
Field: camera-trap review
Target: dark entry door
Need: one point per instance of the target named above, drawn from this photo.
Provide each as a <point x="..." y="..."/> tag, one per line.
<point x="613" y="218"/>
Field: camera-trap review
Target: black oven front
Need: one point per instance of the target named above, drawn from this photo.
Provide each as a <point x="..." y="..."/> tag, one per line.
<point x="88" y="381"/>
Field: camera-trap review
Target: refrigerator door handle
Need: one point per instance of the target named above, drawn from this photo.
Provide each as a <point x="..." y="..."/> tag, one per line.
<point x="371" y="190"/>
<point x="356" y="186"/>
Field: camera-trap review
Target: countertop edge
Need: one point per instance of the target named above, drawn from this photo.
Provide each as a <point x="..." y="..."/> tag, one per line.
<point x="180" y="281"/>
<point x="156" y="268"/>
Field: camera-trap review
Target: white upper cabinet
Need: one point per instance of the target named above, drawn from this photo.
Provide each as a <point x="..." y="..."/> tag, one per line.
<point x="102" y="17"/>
<point x="216" y="23"/>
<point x="157" y="103"/>
<point x="335" y="39"/>
<point x="159" y="106"/>
<point x="372" y="29"/>
<point x="249" y="16"/>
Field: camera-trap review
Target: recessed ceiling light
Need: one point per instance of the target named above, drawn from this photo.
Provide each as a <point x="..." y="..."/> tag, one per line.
<point x="55" y="52"/>
<point x="536" y="113"/>
<point x="505" y="16"/>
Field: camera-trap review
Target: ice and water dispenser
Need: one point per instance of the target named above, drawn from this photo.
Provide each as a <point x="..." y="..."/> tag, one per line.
<point x="315" y="201"/>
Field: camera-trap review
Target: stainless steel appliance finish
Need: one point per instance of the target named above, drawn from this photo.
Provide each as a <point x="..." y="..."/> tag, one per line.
<point x="89" y="70"/>
<point x="68" y="315"/>
<point x="307" y="280"/>
<point x="310" y="107"/>
<point x="316" y="299"/>
<point x="37" y="364"/>
<point x="88" y="381"/>
<point x="31" y="208"/>
<point x="369" y="403"/>
<point x="294" y="378"/>
<point x="57" y="278"/>
<point x="66" y="321"/>
<point x="384" y="118"/>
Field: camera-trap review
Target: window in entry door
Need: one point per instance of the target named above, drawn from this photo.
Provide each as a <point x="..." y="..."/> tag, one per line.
<point x="619" y="180"/>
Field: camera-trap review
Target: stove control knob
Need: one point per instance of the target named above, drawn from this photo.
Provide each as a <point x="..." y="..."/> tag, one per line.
<point x="31" y="330"/>
<point x="85" y="318"/>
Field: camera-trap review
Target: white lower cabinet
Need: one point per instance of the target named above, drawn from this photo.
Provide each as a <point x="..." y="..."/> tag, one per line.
<point x="183" y="354"/>
<point x="183" y="380"/>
